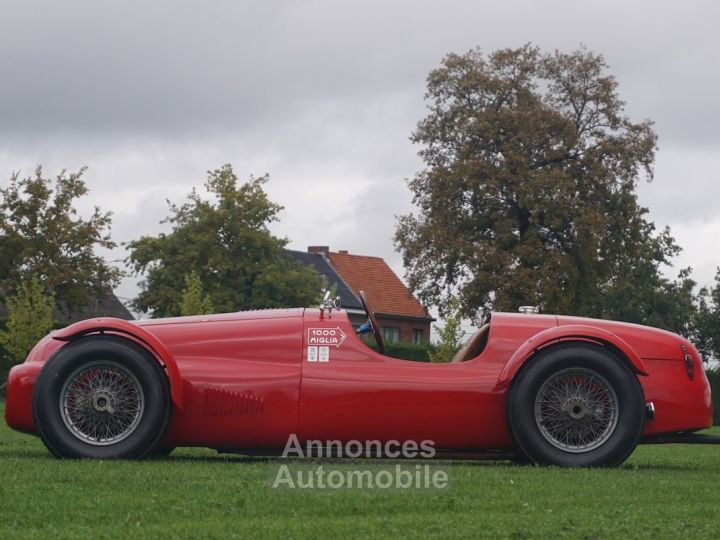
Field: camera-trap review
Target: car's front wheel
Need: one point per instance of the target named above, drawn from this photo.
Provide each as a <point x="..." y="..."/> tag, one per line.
<point x="576" y="406"/>
<point x="101" y="397"/>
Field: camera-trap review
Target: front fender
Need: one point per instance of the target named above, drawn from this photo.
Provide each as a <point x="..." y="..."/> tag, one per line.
<point x="139" y="334"/>
<point x="578" y="332"/>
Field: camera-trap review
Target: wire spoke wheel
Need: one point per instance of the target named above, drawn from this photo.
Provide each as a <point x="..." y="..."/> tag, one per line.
<point x="576" y="405"/>
<point x="102" y="403"/>
<point x="102" y="397"/>
<point x="576" y="410"/>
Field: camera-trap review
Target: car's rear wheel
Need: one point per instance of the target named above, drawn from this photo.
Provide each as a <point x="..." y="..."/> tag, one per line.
<point x="576" y="405"/>
<point x="101" y="397"/>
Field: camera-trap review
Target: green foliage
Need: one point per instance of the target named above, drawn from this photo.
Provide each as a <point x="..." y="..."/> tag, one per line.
<point x="30" y="317"/>
<point x="5" y="359"/>
<point x="451" y="335"/>
<point x="528" y="193"/>
<point x="226" y="242"/>
<point x="714" y="378"/>
<point x="41" y="235"/>
<point x="193" y="300"/>
<point x="5" y="362"/>
<point x="643" y="296"/>
<point x="406" y="351"/>
<point x="706" y="334"/>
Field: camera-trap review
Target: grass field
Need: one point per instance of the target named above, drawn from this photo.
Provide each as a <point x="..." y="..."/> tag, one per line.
<point x="661" y="492"/>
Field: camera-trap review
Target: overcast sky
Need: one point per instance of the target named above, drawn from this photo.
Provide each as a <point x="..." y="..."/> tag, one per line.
<point x="323" y="96"/>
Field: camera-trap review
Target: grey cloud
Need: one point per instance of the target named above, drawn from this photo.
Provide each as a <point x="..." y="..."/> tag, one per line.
<point x="323" y="96"/>
<point x="167" y="67"/>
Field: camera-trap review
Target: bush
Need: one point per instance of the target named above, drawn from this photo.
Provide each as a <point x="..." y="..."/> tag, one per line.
<point x="5" y="362"/>
<point x="714" y="378"/>
<point x="451" y="335"/>
<point x="30" y="317"/>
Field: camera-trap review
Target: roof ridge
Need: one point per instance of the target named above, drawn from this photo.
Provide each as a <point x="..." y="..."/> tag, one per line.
<point x="356" y="255"/>
<point x="327" y="259"/>
<point x="385" y="289"/>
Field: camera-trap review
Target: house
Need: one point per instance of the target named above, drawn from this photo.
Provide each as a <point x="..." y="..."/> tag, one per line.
<point x="104" y="306"/>
<point x="398" y="312"/>
<point x="349" y="301"/>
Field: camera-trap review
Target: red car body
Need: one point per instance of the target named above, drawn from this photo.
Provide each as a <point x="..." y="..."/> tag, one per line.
<point x="244" y="381"/>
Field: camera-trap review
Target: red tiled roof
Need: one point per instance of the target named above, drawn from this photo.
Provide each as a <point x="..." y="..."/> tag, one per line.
<point x="384" y="290"/>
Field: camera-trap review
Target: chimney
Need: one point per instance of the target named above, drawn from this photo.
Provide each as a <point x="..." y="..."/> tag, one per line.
<point x="319" y="249"/>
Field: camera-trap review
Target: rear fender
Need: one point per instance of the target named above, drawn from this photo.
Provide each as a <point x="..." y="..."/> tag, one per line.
<point x="574" y="332"/>
<point x="144" y="338"/>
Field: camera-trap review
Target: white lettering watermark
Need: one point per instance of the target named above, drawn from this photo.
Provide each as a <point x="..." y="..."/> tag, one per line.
<point x="358" y="449"/>
<point x="303" y="471"/>
<point x="368" y="476"/>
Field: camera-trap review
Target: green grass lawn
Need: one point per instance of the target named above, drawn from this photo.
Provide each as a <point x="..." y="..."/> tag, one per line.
<point x="662" y="491"/>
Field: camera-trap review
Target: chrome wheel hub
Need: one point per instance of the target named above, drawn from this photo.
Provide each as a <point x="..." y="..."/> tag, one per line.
<point x="576" y="410"/>
<point x="101" y="403"/>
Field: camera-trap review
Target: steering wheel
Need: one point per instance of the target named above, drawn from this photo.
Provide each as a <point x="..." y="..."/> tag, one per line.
<point x="377" y="331"/>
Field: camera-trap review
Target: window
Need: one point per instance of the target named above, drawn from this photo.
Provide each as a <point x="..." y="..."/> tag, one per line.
<point x="417" y="336"/>
<point x="391" y="334"/>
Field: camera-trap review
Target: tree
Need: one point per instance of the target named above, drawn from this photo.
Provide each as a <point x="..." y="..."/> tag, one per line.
<point x="30" y="317"/>
<point x="193" y="300"/>
<point x="451" y="335"/>
<point x="707" y="321"/>
<point x="42" y="235"/>
<point x="528" y="191"/>
<point x="226" y="242"/>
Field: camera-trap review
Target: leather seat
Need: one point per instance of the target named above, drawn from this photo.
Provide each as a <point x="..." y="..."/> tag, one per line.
<point x="474" y="345"/>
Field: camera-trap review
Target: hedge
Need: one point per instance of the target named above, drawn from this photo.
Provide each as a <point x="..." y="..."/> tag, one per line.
<point x="403" y="350"/>
<point x="5" y="363"/>
<point x="409" y="351"/>
<point x="714" y="378"/>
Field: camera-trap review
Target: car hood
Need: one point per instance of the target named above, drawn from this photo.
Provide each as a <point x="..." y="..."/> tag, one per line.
<point x="223" y="317"/>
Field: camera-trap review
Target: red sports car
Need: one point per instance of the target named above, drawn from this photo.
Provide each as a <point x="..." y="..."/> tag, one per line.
<point x="543" y="388"/>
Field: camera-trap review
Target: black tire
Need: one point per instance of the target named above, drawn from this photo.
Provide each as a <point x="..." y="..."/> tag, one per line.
<point x="101" y="397"/>
<point x="576" y="405"/>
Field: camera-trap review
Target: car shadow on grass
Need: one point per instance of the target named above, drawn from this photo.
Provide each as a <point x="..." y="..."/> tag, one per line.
<point x="223" y="459"/>
<point x="478" y="464"/>
<point x="34" y="453"/>
<point x="217" y="458"/>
